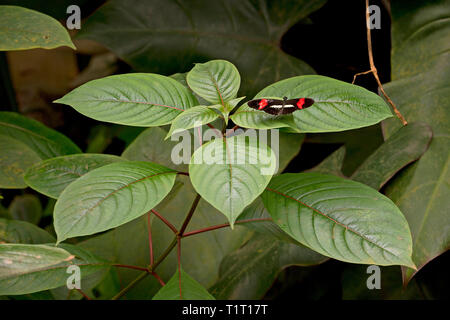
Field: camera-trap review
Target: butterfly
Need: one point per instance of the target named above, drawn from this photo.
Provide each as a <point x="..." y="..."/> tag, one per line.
<point x="280" y="107"/>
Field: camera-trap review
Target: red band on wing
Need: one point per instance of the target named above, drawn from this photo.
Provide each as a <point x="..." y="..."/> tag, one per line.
<point x="300" y="103"/>
<point x="262" y="104"/>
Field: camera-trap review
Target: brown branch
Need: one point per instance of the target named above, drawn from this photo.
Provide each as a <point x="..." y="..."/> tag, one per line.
<point x="374" y="70"/>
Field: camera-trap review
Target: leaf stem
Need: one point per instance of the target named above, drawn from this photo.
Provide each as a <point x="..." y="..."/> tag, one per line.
<point x="178" y="235"/>
<point x="84" y="294"/>
<point x="150" y="241"/>
<point x="187" y="234"/>
<point x="158" y="278"/>
<point x="130" y="285"/>
<point x="189" y="215"/>
<point x="130" y="267"/>
<point x="374" y="70"/>
<point x="165" y="221"/>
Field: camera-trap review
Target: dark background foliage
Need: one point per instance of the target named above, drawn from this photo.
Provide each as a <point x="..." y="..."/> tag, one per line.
<point x="332" y="40"/>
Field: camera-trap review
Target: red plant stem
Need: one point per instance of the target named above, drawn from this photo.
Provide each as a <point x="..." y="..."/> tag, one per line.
<point x="183" y="173"/>
<point x="187" y="234"/>
<point x="158" y="278"/>
<point x="189" y="215"/>
<point x="150" y="242"/>
<point x="215" y="129"/>
<point x="165" y="221"/>
<point x="179" y="264"/>
<point x="199" y="132"/>
<point x="130" y="267"/>
<point x="84" y="294"/>
<point x="232" y="130"/>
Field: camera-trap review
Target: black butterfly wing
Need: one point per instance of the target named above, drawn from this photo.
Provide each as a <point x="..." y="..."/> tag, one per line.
<point x="275" y="106"/>
<point x="299" y="104"/>
<point x="256" y="104"/>
<point x="292" y="105"/>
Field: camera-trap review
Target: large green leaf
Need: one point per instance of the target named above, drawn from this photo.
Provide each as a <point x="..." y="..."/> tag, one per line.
<point x="215" y="81"/>
<point x="248" y="272"/>
<point x="52" y="176"/>
<point x="22" y="29"/>
<point x="110" y="196"/>
<point x="26" y="207"/>
<point x="421" y="74"/>
<point x="400" y="149"/>
<point x="190" y="289"/>
<point x="19" y="259"/>
<point x="191" y="118"/>
<point x="338" y="106"/>
<point x="15" y="158"/>
<point x="45" y="142"/>
<point x="168" y="36"/>
<point x="135" y="99"/>
<point x="208" y="246"/>
<point x="12" y="231"/>
<point x="339" y="218"/>
<point x="43" y="267"/>
<point x="230" y="173"/>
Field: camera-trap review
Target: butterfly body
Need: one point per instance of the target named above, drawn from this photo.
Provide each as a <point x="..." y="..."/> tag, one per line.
<point x="280" y="107"/>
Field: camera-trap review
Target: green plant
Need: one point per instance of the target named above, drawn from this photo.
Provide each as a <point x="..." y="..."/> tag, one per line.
<point x="197" y="206"/>
<point x="334" y="216"/>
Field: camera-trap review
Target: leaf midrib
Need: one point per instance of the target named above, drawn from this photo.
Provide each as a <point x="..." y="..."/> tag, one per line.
<point x="333" y="220"/>
<point x="83" y="214"/>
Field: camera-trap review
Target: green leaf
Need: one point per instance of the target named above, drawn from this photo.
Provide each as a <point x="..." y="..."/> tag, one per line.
<point x="338" y="106"/>
<point x="115" y="245"/>
<point x="20" y="259"/>
<point x="263" y="222"/>
<point x="46" y="142"/>
<point x="151" y="146"/>
<point x="215" y="81"/>
<point x="227" y="107"/>
<point x="231" y="173"/>
<point x="190" y="289"/>
<point x="173" y="37"/>
<point x="135" y="99"/>
<point x="12" y="231"/>
<point x="181" y="78"/>
<point x="110" y="196"/>
<point x="400" y="149"/>
<point x="191" y="118"/>
<point x="26" y="207"/>
<point x="22" y="29"/>
<point x="15" y="159"/>
<point x="248" y="272"/>
<point x="52" y="176"/>
<point x="421" y="91"/>
<point x="339" y="218"/>
<point x="43" y="267"/>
